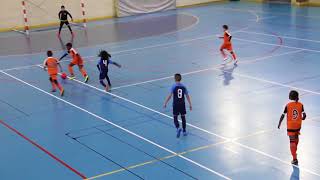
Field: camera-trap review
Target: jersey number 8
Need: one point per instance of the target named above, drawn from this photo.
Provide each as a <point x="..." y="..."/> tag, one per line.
<point x="179" y="93"/>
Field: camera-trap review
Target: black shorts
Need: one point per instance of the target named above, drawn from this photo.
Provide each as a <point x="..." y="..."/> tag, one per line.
<point x="179" y="109"/>
<point x="103" y="75"/>
<point x="64" y="22"/>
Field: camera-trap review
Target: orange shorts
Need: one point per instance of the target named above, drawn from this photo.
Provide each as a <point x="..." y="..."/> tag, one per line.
<point x="77" y="61"/>
<point x="227" y="46"/>
<point x="53" y="76"/>
<point x="293" y="133"/>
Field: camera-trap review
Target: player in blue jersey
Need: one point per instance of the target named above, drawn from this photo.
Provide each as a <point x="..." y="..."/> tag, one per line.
<point x="103" y="67"/>
<point x="179" y="92"/>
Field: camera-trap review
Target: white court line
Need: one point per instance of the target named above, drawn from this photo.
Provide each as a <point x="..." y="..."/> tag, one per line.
<point x="117" y="126"/>
<point x="271" y="17"/>
<point x="285" y="37"/>
<point x="271" y="44"/>
<point x="206" y="69"/>
<point x="179" y="42"/>
<point x="209" y="132"/>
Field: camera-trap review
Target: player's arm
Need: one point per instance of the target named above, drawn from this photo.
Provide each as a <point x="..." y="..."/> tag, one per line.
<point x="98" y="66"/>
<point x="304" y="115"/>
<point x="70" y="15"/>
<point x="189" y="101"/>
<point x="282" y="117"/>
<point x="114" y="63"/>
<point x="59" y="66"/>
<point x="44" y="65"/>
<point x="63" y="56"/>
<point x="167" y="100"/>
<point x="59" y="15"/>
<point x="188" y="98"/>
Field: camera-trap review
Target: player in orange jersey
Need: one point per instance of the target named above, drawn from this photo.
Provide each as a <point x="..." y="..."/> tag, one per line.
<point x="227" y="44"/>
<point x="295" y="115"/>
<point x="76" y="60"/>
<point x="52" y="65"/>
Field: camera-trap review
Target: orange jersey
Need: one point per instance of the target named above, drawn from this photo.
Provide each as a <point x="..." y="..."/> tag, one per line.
<point x="294" y="112"/>
<point x="76" y="58"/>
<point x="226" y="37"/>
<point x="52" y="65"/>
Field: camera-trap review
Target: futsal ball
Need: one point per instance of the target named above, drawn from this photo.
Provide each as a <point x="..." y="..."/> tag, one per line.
<point x="64" y="76"/>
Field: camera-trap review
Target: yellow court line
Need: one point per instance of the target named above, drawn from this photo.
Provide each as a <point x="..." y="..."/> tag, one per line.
<point x="157" y="160"/>
<point x="181" y="153"/>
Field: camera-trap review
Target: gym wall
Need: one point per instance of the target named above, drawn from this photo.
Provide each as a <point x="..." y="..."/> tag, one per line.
<point x="43" y="13"/>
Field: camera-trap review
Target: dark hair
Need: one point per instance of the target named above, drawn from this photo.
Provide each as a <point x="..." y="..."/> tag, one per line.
<point x="225" y="27"/>
<point x="178" y="77"/>
<point x="104" y="55"/>
<point x="294" y="95"/>
<point x="62" y="7"/>
<point x="69" y="44"/>
<point x="49" y="53"/>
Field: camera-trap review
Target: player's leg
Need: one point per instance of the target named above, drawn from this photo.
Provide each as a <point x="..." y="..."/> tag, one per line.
<point x="176" y="123"/>
<point x="61" y="25"/>
<point x="59" y="86"/>
<point x="222" y="52"/>
<point x="52" y="84"/>
<point x="83" y="72"/>
<point x="102" y="76"/>
<point x="184" y="124"/>
<point x="69" y="27"/>
<point x="108" y="79"/>
<point x="70" y="68"/>
<point x="293" y="148"/>
<point x="183" y="113"/>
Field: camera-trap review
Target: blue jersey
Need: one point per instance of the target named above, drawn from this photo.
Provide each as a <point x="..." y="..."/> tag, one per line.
<point x="103" y="65"/>
<point x="179" y="91"/>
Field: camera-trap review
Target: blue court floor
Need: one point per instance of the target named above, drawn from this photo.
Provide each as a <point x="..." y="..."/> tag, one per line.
<point x="127" y="134"/>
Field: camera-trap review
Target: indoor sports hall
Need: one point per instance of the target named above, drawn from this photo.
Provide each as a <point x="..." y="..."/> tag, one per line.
<point x="124" y="132"/>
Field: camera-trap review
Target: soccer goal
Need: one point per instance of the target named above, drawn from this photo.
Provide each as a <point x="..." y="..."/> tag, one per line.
<point x="42" y="15"/>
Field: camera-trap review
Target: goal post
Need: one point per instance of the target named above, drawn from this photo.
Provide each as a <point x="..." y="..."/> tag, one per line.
<point x="44" y="14"/>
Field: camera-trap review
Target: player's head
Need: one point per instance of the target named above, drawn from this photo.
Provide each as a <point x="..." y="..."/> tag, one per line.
<point x="294" y="95"/>
<point x="225" y="27"/>
<point x="69" y="45"/>
<point x="104" y="55"/>
<point x="49" y="53"/>
<point x="63" y="8"/>
<point x="177" y="77"/>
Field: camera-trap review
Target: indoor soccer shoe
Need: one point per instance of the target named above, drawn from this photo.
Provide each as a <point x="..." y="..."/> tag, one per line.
<point x="185" y="133"/>
<point x="62" y="92"/>
<point x="72" y="77"/>
<point x="178" y="132"/>
<point x="86" y="79"/>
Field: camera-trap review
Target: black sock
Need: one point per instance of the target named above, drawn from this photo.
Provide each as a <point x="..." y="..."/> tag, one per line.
<point x="184" y="123"/>
<point x="176" y="122"/>
<point x="102" y="83"/>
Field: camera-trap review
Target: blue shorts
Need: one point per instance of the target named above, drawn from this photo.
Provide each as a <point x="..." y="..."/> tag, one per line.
<point x="103" y="75"/>
<point x="179" y="109"/>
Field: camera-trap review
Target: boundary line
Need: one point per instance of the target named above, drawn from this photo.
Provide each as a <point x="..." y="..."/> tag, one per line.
<point x="113" y="124"/>
<point x="43" y="150"/>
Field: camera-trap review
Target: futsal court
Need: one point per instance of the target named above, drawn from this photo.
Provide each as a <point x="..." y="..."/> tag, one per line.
<point x="127" y="134"/>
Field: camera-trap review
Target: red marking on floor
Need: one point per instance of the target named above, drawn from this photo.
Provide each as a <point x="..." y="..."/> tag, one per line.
<point x="43" y="149"/>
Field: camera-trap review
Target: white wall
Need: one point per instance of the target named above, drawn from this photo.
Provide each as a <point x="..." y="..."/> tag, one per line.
<point x="45" y="12"/>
